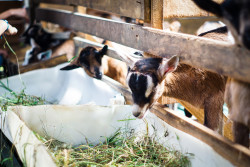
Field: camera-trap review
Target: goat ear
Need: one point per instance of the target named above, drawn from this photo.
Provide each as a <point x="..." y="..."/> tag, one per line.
<point x="70" y="67"/>
<point x="168" y="65"/>
<point x="209" y="6"/>
<point x="104" y="50"/>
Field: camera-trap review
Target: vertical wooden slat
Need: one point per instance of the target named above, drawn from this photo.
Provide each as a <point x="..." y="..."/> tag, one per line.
<point x="147" y="11"/>
<point x="157" y="14"/>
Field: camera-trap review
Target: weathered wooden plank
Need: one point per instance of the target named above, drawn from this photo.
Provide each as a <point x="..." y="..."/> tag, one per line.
<point x="236" y="154"/>
<point x="209" y="54"/>
<point x="180" y="8"/>
<point x="80" y="42"/>
<point x="129" y="8"/>
<point x="157" y="14"/>
<point x="147" y="11"/>
<point x="44" y="64"/>
<point x="139" y="9"/>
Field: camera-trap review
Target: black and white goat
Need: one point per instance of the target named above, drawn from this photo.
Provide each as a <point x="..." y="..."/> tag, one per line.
<point x="41" y="42"/>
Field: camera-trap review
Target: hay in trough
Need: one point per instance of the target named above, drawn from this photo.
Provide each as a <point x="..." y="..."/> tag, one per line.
<point x="122" y="149"/>
<point x="14" y="98"/>
<point x="118" y="150"/>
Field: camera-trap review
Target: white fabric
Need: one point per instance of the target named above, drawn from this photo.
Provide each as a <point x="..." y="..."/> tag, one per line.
<point x="62" y="87"/>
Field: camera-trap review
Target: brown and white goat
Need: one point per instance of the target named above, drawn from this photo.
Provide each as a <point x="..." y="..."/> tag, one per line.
<point x="236" y="15"/>
<point x="149" y="78"/>
<point x="95" y="64"/>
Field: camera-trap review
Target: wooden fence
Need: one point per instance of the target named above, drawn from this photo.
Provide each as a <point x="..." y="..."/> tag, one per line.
<point x="223" y="58"/>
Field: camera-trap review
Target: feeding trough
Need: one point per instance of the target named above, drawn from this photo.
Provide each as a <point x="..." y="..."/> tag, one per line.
<point x="80" y="118"/>
<point x="59" y="87"/>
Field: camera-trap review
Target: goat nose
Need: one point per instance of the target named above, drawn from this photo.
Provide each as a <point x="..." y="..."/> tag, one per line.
<point x="136" y="114"/>
<point x="99" y="75"/>
<point x="136" y="110"/>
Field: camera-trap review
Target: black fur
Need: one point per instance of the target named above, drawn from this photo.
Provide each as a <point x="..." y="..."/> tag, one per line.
<point x="138" y="83"/>
<point x="220" y="30"/>
<point x="146" y="65"/>
<point x="42" y="38"/>
<point x="237" y="14"/>
<point x="70" y="67"/>
<point x="43" y="41"/>
<point x="104" y="50"/>
<point x="209" y="6"/>
<point x="138" y="87"/>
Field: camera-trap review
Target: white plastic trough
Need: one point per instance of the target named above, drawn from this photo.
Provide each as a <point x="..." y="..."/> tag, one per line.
<point x="62" y="87"/>
<point x="73" y="123"/>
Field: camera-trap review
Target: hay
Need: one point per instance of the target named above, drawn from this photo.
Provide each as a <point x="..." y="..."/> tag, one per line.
<point x="21" y="98"/>
<point x="118" y="150"/>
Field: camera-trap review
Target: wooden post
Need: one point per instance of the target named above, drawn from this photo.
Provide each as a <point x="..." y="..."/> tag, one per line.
<point x="157" y="14"/>
<point x="32" y="11"/>
<point x="157" y="22"/>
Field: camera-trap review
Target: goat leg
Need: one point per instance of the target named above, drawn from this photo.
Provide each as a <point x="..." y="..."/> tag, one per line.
<point x="213" y="114"/>
<point x="241" y="134"/>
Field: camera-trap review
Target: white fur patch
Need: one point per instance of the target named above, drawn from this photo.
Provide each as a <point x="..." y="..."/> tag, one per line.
<point x="128" y="78"/>
<point x="231" y="38"/>
<point x="150" y="86"/>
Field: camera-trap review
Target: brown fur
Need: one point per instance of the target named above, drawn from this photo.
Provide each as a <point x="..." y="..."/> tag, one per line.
<point x="200" y="88"/>
<point x="67" y="48"/>
<point x="114" y="69"/>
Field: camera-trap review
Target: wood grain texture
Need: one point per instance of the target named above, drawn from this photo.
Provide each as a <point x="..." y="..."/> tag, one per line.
<point x="139" y="9"/>
<point x="129" y="8"/>
<point x="44" y="64"/>
<point x="216" y="56"/>
<point x="157" y="14"/>
<point x="235" y="153"/>
<point x="80" y="42"/>
<point x="180" y="8"/>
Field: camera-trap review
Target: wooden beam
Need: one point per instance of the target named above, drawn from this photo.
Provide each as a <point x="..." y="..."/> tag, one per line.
<point x="44" y="64"/>
<point x="129" y="8"/>
<point x="157" y="14"/>
<point x="235" y="153"/>
<point x="147" y="11"/>
<point x="81" y="42"/>
<point x="187" y="8"/>
<point x="216" y="56"/>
